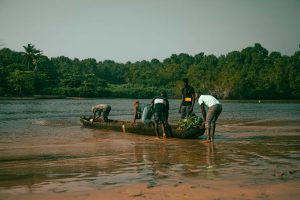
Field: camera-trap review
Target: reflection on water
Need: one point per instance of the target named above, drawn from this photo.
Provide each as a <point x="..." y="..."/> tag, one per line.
<point x="110" y="159"/>
<point x="43" y="147"/>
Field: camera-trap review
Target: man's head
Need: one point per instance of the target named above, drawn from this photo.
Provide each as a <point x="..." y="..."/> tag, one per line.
<point x="163" y="93"/>
<point x="185" y="81"/>
<point x="136" y="104"/>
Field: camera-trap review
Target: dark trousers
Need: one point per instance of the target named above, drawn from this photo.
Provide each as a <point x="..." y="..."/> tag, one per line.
<point x="185" y="111"/>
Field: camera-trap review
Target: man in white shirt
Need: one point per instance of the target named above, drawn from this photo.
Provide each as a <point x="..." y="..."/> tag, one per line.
<point x="214" y="110"/>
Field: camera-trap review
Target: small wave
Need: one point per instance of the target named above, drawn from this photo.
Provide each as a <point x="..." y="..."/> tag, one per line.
<point x="40" y="158"/>
<point x="40" y="122"/>
<point x="55" y="123"/>
<point x="269" y="123"/>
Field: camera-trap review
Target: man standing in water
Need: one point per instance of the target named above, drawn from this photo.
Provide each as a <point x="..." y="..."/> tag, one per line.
<point x="101" y="108"/>
<point x="188" y="99"/>
<point x="160" y="105"/>
<point x="214" y="110"/>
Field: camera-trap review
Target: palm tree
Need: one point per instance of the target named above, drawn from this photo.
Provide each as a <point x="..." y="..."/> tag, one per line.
<point x="31" y="55"/>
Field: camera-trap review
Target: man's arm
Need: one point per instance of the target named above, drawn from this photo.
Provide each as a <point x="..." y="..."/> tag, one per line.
<point x="182" y="99"/>
<point x="203" y="114"/>
<point x="94" y="115"/>
<point x="152" y="103"/>
<point x="193" y="101"/>
<point x="203" y="111"/>
<point x="134" y="113"/>
<point x="167" y="105"/>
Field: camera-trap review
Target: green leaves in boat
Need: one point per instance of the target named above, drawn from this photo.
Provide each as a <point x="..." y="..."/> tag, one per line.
<point x="190" y="123"/>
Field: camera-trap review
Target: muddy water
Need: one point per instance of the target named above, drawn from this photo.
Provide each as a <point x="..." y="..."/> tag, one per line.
<point x="44" y="148"/>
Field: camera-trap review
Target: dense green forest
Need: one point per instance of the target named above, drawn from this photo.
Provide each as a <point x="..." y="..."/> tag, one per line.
<point x="252" y="73"/>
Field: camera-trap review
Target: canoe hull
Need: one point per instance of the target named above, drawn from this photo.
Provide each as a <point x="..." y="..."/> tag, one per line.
<point x="141" y="128"/>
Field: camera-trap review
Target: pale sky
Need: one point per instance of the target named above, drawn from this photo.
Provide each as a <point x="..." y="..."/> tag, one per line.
<point x="136" y="30"/>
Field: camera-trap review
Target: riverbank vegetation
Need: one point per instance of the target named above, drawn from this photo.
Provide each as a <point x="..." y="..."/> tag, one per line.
<point x="252" y="73"/>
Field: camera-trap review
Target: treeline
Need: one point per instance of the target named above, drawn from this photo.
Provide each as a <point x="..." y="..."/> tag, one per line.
<point x="252" y="73"/>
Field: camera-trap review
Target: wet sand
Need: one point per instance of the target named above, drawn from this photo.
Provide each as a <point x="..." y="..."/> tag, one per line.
<point x="193" y="190"/>
<point x="246" y="161"/>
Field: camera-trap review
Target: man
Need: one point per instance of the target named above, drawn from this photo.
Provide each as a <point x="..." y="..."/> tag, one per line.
<point x="101" y="108"/>
<point x="142" y="111"/>
<point x="214" y="110"/>
<point x="137" y="112"/>
<point x="160" y="105"/>
<point x="147" y="115"/>
<point x="188" y="99"/>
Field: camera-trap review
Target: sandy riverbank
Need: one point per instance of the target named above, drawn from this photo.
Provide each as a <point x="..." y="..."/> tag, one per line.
<point x="193" y="190"/>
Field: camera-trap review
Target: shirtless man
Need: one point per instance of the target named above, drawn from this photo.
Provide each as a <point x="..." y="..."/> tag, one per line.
<point x="101" y="108"/>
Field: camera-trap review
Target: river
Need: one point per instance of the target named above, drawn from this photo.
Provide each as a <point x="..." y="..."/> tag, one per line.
<point x="43" y="147"/>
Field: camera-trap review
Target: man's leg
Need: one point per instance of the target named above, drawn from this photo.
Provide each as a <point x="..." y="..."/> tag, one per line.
<point x="164" y="121"/>
<point x="99" y="114"/>
<point x="163" y="129"/>
<point x="156" y="123"/>
<point x="216" y="116"/>
<point x="213" y="125"/>
<point x="208" y="131"/>
<point x="156" y="129"/>
<point x="189" y="112"/>
<point x="168" y="130"/>
<point x="105" y="115"/>
<point x="208" y="122"/>
<point x="183" y="112"/>
<point x="94" y="116"/>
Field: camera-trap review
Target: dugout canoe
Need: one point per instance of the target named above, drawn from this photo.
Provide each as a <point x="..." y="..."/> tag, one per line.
<point x="140" y="128"/>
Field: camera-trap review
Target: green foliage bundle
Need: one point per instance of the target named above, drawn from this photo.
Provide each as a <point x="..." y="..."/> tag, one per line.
<point x="189" y="123"/>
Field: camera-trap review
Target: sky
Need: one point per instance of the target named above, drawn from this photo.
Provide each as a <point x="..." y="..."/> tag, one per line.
<point x="136" y="30"/>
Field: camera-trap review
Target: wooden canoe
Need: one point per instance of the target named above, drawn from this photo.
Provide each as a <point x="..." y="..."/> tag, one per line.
<point x="141" y="128"/>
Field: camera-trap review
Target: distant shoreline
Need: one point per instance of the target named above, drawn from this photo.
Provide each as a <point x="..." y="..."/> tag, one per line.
<point x="34" y="97"/>
<point x="222" y="100"/>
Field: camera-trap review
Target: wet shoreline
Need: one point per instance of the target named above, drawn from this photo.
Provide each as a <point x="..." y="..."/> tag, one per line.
<point x="145" y="159"/>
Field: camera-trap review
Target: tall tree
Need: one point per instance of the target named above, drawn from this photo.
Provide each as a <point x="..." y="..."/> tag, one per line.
<point x="31" y="56"/>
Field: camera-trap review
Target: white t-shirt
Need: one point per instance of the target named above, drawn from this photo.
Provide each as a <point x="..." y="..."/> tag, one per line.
<point x="208" y="100"/>
<point x="158" y="100"/>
